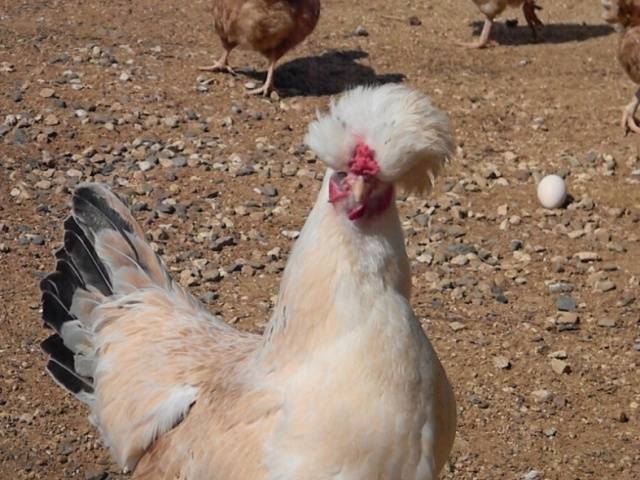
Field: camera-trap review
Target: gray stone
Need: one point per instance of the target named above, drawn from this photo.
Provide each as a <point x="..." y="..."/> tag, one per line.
<point x="456" y="231"/>
<point x="269" y="191"/>
<point x="36" y="239"/>
<point x="498" y="294"/>
<point x="560" y="287"/>
<point x="421" y="219"/>
<point x="209" y="297"/>
<point x="456" y="249"/>
<point x="516" y="245"/>
<point x="145" y="165"/>
<point x="20" y="137"/>
<point x="478" y="402"/>
<point x="566" y="304"/>
<point x="165" y="208"/>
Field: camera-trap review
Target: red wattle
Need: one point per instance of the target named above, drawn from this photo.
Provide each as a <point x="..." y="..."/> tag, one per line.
<point x="357" y="212"/>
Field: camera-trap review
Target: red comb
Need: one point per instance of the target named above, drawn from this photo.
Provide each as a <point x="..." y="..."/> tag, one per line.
<point x="363" y="161"/>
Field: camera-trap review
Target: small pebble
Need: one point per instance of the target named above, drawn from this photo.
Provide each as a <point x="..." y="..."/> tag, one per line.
<point x="502" y="362"/>
<point x="360" y="31"/>
<point x="560" y="366"/>
<point x="542" y="396"/>
<point x="607" y="323"/>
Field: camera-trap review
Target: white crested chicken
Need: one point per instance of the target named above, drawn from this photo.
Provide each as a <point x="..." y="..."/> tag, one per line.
<point x="344" y="383"/>
<point x="492" y="8"/>
<point x="271" y="27"/>
<point x="626" y="15"/>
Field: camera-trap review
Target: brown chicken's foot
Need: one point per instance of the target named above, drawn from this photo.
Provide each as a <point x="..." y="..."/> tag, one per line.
<point x="222" y="65"/>
<point x="628" y="117"/>
<point x="529" y="9"/>
<point x="267" y="87"/>
<point x="264" y="90"/>
<point x="476" y="45"/>
<point x="218" y="67"/>
<point x="483" y="41"/>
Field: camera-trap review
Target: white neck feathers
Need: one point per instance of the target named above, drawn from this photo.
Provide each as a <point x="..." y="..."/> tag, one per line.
<point x="335" y="271"/>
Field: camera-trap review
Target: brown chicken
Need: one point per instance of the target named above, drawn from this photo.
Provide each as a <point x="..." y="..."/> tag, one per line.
<point x="271" y="27"/>
<point x="493" y="8"/>
<point x="626" y="14"/>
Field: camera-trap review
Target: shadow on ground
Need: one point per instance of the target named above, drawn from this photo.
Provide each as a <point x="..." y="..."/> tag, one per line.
<point x="327" y="74"/>
<point x="510" y="34"/>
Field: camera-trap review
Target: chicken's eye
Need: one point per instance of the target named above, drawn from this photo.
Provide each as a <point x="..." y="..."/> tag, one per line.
<point x="338" y="177"/>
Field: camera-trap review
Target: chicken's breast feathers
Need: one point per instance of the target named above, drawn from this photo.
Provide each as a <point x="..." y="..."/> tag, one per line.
<point x="629" y="53"/>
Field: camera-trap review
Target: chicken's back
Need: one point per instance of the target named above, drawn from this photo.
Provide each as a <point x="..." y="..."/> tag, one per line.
<point x="493" y="8"/>
<point x="271" y="27"/>
<point x="629" y="53"/>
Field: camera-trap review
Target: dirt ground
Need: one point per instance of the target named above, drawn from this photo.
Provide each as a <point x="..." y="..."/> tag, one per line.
<point x="110" y="91"/>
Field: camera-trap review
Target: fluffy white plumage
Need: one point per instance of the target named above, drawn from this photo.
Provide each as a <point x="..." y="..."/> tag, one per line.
<point x="410" y="136"/>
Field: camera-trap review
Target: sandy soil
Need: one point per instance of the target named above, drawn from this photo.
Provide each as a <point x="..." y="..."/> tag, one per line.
<point x="92" y="90"/>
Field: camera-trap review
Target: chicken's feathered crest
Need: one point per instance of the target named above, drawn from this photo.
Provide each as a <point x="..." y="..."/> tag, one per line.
<point x="411" y="139"/>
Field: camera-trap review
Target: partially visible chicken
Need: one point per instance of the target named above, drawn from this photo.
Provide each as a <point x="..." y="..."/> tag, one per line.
<point x="626" y="15"/>
<point x="493" y="8"/>
<point x="271" y="27"/>
<point x="344" y="383"/>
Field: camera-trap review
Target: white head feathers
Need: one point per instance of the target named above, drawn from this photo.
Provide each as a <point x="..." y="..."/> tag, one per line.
<point x="410" y="138"/>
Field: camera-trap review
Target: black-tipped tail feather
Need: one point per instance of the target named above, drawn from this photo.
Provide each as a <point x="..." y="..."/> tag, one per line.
<point x="79" y="267"/>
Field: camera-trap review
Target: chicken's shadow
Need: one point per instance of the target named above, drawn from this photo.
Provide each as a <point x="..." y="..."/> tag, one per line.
<point x="505" y="33"/>
<point x="327" y="74"/>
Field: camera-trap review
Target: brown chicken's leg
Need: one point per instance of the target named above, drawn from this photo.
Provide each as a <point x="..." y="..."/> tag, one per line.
<point x="484" y="36"/>
<point x="529" y="9"/>
<point x="268" y="84"/>
<point x="221" y="65"/>
<point x="628" y="115"/>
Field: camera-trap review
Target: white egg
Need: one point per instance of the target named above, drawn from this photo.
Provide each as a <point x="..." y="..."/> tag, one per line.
<point x="552" y="191"/>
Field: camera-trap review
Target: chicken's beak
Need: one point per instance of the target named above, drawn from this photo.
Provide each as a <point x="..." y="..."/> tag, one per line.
<point x="359" y="189"/>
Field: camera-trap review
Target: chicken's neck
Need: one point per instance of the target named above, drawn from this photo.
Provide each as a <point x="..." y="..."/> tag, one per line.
<point x="336" y="275"/>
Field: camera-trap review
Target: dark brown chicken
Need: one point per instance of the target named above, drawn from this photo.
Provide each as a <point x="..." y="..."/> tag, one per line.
<point x="271" y="27"/>
<point x="626" y="14"/>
